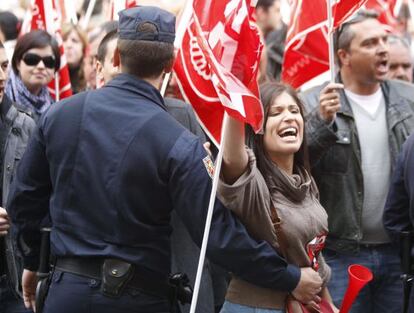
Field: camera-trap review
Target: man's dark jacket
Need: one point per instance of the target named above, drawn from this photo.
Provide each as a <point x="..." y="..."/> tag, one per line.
<point x="399" y="209"/>
<point x="20" y="128"/>
<point x="336" y="158"/>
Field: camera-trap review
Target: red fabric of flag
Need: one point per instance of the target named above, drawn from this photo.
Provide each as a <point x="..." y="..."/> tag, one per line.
<point x="45" y="16"/>
<point x="307" y="52"/>
<point x="385" y="9"/>
<point x="217" y="64"/>
<point x="344" y="9"/>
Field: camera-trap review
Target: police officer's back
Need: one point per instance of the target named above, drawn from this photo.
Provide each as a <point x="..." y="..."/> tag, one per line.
<point x="109" y="166"/>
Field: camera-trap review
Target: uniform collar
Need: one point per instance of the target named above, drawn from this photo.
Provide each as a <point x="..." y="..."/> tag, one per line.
<point x="137" y="86"/>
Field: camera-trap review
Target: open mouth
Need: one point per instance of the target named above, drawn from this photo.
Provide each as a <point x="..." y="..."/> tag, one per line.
<point x="382" y="65"/>
<point x="288" y="133"/>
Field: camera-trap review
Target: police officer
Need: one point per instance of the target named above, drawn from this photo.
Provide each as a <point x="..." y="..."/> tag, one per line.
<point x="109" y="166"/>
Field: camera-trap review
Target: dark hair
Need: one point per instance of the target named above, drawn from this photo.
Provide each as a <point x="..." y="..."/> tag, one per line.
<point x="1" y="45"/>
<point x="145" y="59"/>
<point x="103" y="45"/>
<point x="344" y="35"/>
<point x="265" y="4"/>
<point x="9" y="25"/>
<point x="269" y="91"/>
<point x="34" y="39"/>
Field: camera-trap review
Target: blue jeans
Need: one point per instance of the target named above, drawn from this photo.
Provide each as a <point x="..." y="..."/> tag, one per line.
<point x="9" y="303"/>
<point x="384" y="294"/>
<point x="230" y="307"/>
<point x="69" y="293"/>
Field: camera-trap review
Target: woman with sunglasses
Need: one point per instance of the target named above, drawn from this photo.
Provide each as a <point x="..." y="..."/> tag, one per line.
<point x="274" y="176"/>
<point x="35" y="60"/>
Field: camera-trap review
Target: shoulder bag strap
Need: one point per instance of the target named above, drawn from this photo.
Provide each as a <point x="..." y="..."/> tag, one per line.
<point x="277" y="224"/>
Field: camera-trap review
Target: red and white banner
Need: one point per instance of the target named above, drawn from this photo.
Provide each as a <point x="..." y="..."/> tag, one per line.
<point x="307" y="51"/>
<point x="44" y="15"/>
<point x="217" y="64"/>
<point x="118" y="5"/>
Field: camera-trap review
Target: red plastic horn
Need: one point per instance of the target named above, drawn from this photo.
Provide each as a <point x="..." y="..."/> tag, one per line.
<point x="359" y="276"/>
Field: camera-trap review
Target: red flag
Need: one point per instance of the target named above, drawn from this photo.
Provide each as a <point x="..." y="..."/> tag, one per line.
<point x="45" y="16"/>
<point x="306" y="53"/>
<point x="217" y="64"/>
<point x="344" y="9"/>
<point x="385" y="9"/>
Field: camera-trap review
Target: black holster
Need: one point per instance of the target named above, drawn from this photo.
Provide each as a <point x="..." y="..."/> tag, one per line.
<point x="43" y="273"/>
<point x="115" y="276"/>
<point x="183" y="290"/>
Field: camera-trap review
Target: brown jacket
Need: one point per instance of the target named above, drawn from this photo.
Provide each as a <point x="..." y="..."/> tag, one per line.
<point x="249" y="199"/>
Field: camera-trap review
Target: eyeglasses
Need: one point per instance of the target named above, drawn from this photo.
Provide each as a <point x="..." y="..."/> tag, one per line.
<point x="32" y="59"/>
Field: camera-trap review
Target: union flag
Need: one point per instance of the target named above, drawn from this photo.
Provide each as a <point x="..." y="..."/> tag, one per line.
<point x="306" y="52"/>
<point x="217" y="64"/>
<point x="385" y="9"/>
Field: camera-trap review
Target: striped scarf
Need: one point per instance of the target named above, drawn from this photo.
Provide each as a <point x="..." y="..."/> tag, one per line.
<point x="17" y="91"/>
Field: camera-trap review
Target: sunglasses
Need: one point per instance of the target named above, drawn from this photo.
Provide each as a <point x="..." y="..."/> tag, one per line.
<point x="32" y="59"/>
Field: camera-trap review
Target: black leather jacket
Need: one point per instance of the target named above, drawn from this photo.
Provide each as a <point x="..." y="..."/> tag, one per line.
<point x="336" y="158"/>
<point x="22" y="126"/>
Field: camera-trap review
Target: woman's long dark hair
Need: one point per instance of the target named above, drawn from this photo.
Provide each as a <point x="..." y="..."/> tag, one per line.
<point x="269" y="91"/>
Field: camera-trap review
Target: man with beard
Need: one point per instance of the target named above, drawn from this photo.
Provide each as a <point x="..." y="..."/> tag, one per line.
<point x="356" y="128"/>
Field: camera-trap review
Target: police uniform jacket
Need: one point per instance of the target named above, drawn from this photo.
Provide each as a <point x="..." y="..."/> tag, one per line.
<point x="399" y="208"/>
<point x="110" y="166"/>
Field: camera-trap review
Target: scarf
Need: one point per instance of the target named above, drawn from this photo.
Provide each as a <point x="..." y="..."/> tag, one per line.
<point x="294" y="187"/>
<point x="17" y="91"/>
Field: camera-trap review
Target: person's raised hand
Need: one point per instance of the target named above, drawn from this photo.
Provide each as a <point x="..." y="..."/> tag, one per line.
<point x="329" y="102"/>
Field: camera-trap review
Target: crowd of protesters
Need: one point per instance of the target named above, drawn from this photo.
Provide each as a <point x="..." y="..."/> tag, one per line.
<point x="327" y="163"/>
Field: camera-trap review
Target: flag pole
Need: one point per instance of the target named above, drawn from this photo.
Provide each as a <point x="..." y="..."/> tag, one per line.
<point x="165" y="82"/>
<point x="209" y="214"/>
<point x="331" y="41"/>
<point x="88" y="14"/>
<point x="397" y="7"/>
<point x="182" y="25"/>
<point x="71" y="10"/>
<point x="411" y="9"/>
<point x="57" y="95"/>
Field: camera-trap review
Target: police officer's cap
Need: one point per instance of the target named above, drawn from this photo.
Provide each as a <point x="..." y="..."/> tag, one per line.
<point x="131" y="19"/>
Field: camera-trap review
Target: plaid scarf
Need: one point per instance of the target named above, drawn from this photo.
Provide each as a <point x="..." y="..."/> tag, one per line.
<point x="17" y="91"/>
